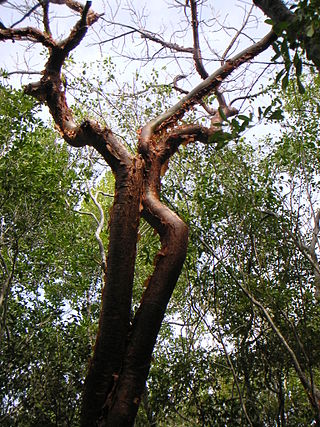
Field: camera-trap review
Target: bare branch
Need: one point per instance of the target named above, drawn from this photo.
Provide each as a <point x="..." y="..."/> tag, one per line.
<point x="310" y="389"/>
<point x="196" y="44"/>
<point x="216" y="118"/>
<point x="149" y="36"/>
<point x="172" y="46"/>
<point x="5" y="287"/>
<point x="100" y="225"/>
<point x="90" y="16"/>
<point x="176" y="87"/>
<point x="234" y="374"/>
<point x="5" y="266"/>
<point x="236" y="36"/>
<point x="26" y="15"/>
<point x="315" y="232"/>
<point x="11" y="73"/>
<point x="312" y="250"/>
<point x="46" y="23"/>
<point x="307" y="251"/>
<point x="27" y="34"/>
<point x="169" y="117"/>
<point x="75" y="37"/>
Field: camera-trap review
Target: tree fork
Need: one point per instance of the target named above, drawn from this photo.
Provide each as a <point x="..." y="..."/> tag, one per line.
<point x="123" y="402"/>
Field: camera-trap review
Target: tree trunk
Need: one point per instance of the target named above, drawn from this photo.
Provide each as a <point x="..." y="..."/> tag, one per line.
<point x="121" y="359"/>
<point x="117" y="293"/>
<point x="120" y="365"/>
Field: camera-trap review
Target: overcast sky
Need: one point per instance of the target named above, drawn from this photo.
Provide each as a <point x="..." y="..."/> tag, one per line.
<point x="163" y="18"/>
<point x="158" y="16"/>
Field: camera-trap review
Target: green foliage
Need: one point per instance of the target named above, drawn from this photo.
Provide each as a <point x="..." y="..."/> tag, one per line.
<point x="218" y="361"/>
<point x="50" y="272"/>
<point x="247" y="209"/>
<point x="298" y="36"/>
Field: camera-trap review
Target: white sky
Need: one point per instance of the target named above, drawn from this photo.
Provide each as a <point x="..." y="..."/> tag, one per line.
<point x="159" y="16"/>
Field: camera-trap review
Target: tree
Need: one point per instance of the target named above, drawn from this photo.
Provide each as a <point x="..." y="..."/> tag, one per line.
<point x="48" y="267"/>
<point x="120" y="363"/>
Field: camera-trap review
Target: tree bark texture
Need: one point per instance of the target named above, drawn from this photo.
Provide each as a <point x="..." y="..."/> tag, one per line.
<point x="114" y="320"/>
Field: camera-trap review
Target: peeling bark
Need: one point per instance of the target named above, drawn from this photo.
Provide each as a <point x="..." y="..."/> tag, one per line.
<point x="123" y="402"/>
<point x="107" y="359"/>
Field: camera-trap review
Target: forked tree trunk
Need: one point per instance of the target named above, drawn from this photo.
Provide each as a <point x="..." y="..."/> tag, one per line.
<point x="121" y="362"/>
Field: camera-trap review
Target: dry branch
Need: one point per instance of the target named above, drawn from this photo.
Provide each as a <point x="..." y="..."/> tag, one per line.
<point x="195" y="96"/>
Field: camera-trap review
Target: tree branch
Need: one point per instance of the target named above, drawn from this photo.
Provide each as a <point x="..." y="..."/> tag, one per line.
<point x="312" y="250"/>
<point x="307" y="251"/>
<point x="51" y="91"/>
<point x="235" y="37"/>
<point x="46" y="23"/>
<point x="100" y="225"/>
<point x="196" y="44"/>
<point x="5" y="287"/>
<point x="149" y="36"/>
<point x="310" y="389"/>
<point x="26" y="15"/>
<point x="172" y="46"/>
<point x="27" y="34"/>
<point x="275" y="10"/>
<point x="170" y="117"/>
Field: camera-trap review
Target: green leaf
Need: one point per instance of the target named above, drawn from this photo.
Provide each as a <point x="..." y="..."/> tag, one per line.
<point x="276" y="115"/>
<point x="221" y="139"/>
<point x="280" y="27"/>
<point x="244" y="118"/>
<point x="279" y="75"/>
<point x="222" y="114"/>
<point x="298" y="64"/>
<point x="276" y="48"/>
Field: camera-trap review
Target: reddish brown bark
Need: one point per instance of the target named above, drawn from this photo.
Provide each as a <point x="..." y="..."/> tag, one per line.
<point x="123" y="402"/>
<point x="108" y="356"/>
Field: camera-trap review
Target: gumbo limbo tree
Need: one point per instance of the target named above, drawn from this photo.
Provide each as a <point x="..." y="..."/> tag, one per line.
<point x="120" y="363"/>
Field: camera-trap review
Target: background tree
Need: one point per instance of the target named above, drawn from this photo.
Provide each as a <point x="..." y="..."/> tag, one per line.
<point x="50" y="272"/>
